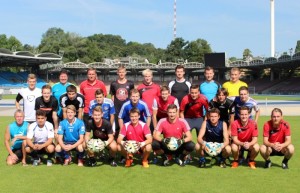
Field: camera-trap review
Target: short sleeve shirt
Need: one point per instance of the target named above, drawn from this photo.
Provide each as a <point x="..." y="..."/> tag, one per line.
<point x="277" y="134"/>
<point x="176" y="129"/>
<point x="137" y="133"/>
<point x="40" y="134"/>
<point x="244" y="133"/>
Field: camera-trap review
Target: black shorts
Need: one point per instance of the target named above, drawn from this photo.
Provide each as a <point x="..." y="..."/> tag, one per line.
<point x="276" y="153"/>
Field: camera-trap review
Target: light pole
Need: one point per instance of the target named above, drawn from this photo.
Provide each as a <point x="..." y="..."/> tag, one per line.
<point x="291" y="52"/>
<point x="272" y="28"/>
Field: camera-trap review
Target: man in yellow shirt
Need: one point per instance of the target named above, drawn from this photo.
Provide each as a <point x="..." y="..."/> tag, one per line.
<point x="235" y="83"/>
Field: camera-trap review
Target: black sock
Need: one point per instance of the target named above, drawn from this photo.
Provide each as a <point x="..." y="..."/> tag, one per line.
<point x="285" y="160"/>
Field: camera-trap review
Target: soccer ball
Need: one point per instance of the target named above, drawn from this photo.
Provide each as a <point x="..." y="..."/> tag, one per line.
<point x="131" y="146"/>
<point x="172" y="145"/>
<point x="212" y="149"/>
<point x="95" y="145"/>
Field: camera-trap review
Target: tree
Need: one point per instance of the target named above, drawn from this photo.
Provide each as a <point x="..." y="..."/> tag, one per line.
<point x="195" y="50"/>
<point x="247" y="54"/>
<point x="297" y="49"/>
<point x="175" y="50"/>
<point x="53" y="40"/>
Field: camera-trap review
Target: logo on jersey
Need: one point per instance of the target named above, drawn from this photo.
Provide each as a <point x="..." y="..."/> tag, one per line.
<point x="31" y="98"/>
<point x="122" y="94"/>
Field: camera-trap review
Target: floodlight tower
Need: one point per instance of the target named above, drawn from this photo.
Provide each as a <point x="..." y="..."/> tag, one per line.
<point x="174" y="28"/>
<point x="272" y="28"/>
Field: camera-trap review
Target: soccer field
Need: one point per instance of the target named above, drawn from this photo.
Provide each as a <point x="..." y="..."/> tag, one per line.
<point x="155" y="179"/>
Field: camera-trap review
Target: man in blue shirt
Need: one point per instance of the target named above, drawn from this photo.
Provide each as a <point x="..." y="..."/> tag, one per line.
<point x="59" y="88"/>
<point x="71" y="136"/>
<point x="209" y="87"/>
<point x="134" y="101"/>
<point x="107" y="106"/>
<point x="15" y="139"/>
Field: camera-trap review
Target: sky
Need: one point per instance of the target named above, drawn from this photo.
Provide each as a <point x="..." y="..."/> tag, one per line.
<point x="229" y="26"/>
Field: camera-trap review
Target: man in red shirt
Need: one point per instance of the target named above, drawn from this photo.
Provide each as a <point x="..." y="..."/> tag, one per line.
<point x="244" y="134"/>
<point x="148" y="91"/>
<point x="277" y="139"/>
<point x="191" y="108"/>
<point x="88" y="88"/>
<point x="161" y="103"/>
<point x="138" y="131"/>
<point x="172" y="126"/>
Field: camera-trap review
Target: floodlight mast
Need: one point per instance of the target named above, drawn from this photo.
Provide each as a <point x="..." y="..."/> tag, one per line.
<point x="272" y="28"/>
<point x="174" y="27"/>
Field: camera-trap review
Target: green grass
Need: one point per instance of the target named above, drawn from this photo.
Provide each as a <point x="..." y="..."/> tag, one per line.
<point x="155" y="179"/>
<point x="276" y="97"/>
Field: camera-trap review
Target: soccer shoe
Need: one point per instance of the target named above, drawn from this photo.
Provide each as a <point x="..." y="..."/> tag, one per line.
<point x="166" y="160"/>
<point x="145" y="164"/>
<point x="49" y="162"/>
<point x="235" y="164"/>
<point x="252" y="165"/>
<point x="222" y="164"/>
<point x="129" y="160"/>
<point x="91" y="162"/>
<point x="113" y="163"/>
<point x="80" y="162"/>
<point x="35" y="162"/>
<point x="67" y="161"/>
<point x="268" y="164"/>
<point x="202" y="163"/>
<point x="284" y="166"/>
<point x="155" y="160"/>
<point x="181" y="160"/>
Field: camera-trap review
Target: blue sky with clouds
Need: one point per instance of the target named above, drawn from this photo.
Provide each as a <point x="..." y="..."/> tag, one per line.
<point x="228" y="25"/>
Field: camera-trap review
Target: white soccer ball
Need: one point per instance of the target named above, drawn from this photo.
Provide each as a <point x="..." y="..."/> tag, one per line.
<point x="212" y="149"/>
<point x="131" y="146"/>
<point x="172" y="145"/>
<point x="95" y="145"/>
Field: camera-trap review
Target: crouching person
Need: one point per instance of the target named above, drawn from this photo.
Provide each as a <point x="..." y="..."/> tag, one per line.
<point x="70" y="137"/>
<point x="137" y="137"/>
<point x="213" y="138"/>
<point x="40" y="137"/>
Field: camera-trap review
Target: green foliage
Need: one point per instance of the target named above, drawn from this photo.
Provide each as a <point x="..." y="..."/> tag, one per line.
<point x="175" y="50"/>
<point x="297" y="49"/>
<point x="195" y="50"/>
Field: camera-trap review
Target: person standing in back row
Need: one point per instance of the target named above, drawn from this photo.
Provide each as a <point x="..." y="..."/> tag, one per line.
<point x="28" y="95"/>
<point x="209" y="87"/>
<point x="180" y="86"/>
<point x="119" y="91"/>
<point x="88" y="88"/>
<point x="235" y="83"/>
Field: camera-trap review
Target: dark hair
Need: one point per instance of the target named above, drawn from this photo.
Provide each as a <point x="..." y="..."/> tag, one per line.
<point x="98" y="92"/>
<point x="207" y="68"/>
<point x="40" y="112"/>
<point x="214" y="110"/>
<point x="134" y="110"/>
<point x="222" y="90"/>
<point x="245" y="108"/>
<point x="172" y="106"/>
<point x="194" y="86"/>
<point x="63" y="71"/>
<point x="243" y="88"/>
<point x="71" y="88"/>
<point x="179" y="66"/>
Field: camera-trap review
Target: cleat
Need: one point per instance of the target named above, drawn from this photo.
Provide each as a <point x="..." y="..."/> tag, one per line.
<point x="49" y="163"/>
<point x="91" y="162"/>
<point x="113" y="163"/>
<point x="222" y="164"/>
<point x="145" y="164"/>
<point x="268" y="164"/>
<point x="67" y="161"/>
<point x="155" y="160"/>
<point x="166" y="160"/>
<point x="284" y="166"/>
<point x="129" y="160"/>
<point x="235" y="164"/>
<point x="35" y="163"/>
<point x="252" y="165"/>
<point x="80" y="162"/>
<point x="202" y="163"/>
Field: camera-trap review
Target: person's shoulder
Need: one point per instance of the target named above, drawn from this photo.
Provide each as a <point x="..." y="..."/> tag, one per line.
<point x="78" y="95"/>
